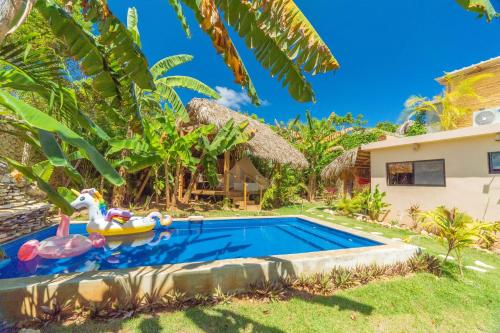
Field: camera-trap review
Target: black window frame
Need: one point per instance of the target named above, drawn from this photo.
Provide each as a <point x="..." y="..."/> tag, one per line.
<point x="490" y="163"/>
<point x="413" y="168"/>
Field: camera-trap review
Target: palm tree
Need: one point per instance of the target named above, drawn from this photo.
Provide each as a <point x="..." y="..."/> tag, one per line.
<point x="446" y="107"/>
<point x="457" y="229"/>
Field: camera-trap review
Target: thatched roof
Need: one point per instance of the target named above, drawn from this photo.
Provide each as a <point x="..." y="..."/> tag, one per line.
<point x="265" y="144"/>
<point x="346" y="163"/>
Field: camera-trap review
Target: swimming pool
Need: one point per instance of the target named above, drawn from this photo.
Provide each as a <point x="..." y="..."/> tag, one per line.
<point x="184" y="242"/>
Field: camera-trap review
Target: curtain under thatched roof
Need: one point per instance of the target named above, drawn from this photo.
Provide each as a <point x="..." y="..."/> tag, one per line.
<point x="265" y="144"/>
<point x="346" y="163"/>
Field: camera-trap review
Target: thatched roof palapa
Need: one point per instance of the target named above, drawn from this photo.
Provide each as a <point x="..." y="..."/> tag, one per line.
<point x="346" y="163"/>
<point x="265" y="144"/>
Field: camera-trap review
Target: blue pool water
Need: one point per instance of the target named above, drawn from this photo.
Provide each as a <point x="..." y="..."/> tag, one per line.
<point x="188" y="242"/>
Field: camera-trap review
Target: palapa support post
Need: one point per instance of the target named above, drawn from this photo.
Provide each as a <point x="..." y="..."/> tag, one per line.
<point x="245" y="194"/>
<point x="260" y="197"/>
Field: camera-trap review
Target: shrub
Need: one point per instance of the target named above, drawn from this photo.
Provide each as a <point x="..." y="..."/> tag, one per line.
<point x="284" y="190"/>
<point x="414" y="213"/>
<point x="366" y="202"/>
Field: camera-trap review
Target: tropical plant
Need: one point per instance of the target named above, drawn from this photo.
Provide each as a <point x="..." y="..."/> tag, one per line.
<point x="345" y="205"/>
<point x="318" y="140"/>
<point x="110" y="61"/>
<point x="228" y="137"/>
<point x="482" y="7"/>
<point x="457" y="229"/>
<point x="367" y="202"/>
<point x="286" y="185"/>
<point x="414" y="213"/>
<point x="151" y="103"/>
<point x="283" y="40"/>
<point x="372" y="202"/>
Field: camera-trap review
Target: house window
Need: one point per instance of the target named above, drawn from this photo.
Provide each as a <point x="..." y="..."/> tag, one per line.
<point x="416" y="173"/>
<point x="494" y="162"/>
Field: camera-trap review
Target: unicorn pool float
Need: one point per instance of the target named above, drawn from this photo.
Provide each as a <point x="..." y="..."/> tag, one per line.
<point x="114" y="222"/>
<point x="62" y="245"/>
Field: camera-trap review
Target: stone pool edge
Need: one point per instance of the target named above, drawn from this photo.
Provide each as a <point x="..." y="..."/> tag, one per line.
<point x="23" y="297"/>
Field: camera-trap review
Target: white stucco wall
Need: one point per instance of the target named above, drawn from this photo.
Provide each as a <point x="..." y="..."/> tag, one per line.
<point x="469" y="186"/>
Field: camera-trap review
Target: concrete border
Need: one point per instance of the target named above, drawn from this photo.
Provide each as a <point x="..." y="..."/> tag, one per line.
<point x="22" y="297"/>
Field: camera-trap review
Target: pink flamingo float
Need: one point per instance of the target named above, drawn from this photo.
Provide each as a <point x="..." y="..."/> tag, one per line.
<point x="62" y="245"/>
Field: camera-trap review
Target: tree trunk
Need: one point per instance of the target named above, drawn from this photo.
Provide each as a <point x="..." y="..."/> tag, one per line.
<point x="12" y="14"/>
<point x="120" y="192"/>
<point x="25" y="158"/>
<point x="176" y="185"/>
<point x="157" y="199"/>
<point x="143" y="185"/>
<point x="312" y="187"/>
<point x="192" y="182"/>
<point x="167" y="186"/>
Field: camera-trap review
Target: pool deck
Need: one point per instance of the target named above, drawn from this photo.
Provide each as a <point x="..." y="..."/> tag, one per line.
<point x="23" y="297"/>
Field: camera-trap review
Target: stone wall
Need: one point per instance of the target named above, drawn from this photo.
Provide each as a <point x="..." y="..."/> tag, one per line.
<point x="19" y="213"/>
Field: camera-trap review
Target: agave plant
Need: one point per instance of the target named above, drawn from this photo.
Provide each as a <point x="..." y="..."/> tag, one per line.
<point x="457" y="229"/>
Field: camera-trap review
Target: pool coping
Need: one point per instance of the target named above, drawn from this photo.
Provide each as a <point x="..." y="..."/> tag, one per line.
<point x="27" y="294"/>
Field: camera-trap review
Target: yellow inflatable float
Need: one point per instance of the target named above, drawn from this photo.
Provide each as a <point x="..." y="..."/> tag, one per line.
<point x="114" y="222"/>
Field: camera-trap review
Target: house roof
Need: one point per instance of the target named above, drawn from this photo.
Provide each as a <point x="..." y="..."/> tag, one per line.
<point x="470" y="69"/>
<point x="265" y="144"/>
<point x="346" y="162"/>
<point x="460" y="133"/>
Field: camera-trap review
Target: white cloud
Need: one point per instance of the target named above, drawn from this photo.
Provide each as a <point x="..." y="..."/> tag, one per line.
<point x="234" y="99"/>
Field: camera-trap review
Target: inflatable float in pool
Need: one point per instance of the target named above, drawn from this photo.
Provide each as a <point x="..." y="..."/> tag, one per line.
<point x="114" y="222"/>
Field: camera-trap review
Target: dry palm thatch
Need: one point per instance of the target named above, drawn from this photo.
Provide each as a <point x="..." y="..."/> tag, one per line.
<point x="265" y="143"/>
<point x="345" y="164"/>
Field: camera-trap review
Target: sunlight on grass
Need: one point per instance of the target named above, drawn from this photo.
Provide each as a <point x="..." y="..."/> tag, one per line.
<point x="419" y="303"/>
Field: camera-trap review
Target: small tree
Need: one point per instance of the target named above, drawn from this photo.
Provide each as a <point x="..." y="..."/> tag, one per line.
<point x="457" y="229"/>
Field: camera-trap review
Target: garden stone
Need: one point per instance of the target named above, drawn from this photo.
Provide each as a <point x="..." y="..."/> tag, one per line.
<point x="477" y="269"/>
<point x="482" y="264"/>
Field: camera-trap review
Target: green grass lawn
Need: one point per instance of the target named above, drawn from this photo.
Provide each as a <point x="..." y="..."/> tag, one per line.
<point x="418" y="303"/>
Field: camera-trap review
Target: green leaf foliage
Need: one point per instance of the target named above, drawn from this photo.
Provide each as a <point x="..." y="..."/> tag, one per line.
<point x="42" y="121"/>
<point x="52" y="194"/>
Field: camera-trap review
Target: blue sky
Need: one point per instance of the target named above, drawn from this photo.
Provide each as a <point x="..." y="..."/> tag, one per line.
<point x="388" y="50"/>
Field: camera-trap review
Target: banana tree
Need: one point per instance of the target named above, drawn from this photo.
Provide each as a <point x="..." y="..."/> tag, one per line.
<point x="318" y="140"/>
<point x="150" y="102"/>
<point x="163" y="143"/>
<point x="110" y="60"/>
<point x="281" y="37"/>
<point x="482" y="7"/>
<point x="227" y="138"/>
<point x="45" y="132"/>
<point x="166" y="86"/>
